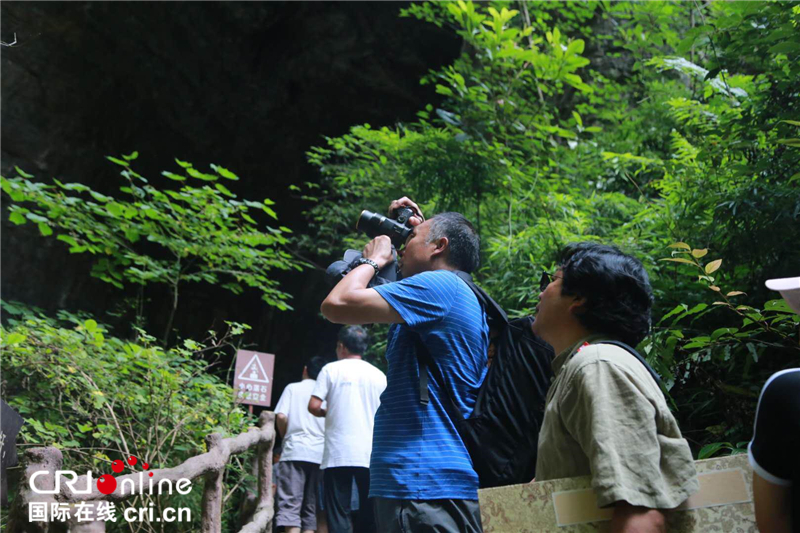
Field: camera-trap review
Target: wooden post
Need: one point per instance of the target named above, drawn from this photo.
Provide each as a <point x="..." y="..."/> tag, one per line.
<point x="264" y="509"/>
<point x="265" y="463"/>
<point x="36" y="459"/>
<point x="212" y="491"/>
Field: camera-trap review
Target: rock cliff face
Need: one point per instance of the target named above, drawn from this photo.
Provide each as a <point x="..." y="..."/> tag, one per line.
<point x="250" y="86"/>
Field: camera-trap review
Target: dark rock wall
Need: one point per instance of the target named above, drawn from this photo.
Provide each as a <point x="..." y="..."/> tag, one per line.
<point x="250" y="86"/>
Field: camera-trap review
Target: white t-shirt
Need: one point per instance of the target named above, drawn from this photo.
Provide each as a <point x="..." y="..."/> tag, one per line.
<point x="352" y="388"/>
<point x="305" y="433"/>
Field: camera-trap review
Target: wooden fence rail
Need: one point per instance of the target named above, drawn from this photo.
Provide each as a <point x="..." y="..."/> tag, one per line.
<point x="210" y="466"/>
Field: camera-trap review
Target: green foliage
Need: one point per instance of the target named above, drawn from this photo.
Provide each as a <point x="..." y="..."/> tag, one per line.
<point x="153" y="234"/>
<point x="732" y="362"/>
<point x="634" y="123"/>
<point x="98" y="397"/>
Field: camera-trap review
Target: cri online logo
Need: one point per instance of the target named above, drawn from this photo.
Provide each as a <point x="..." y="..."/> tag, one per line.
<point x="108" y="483"/>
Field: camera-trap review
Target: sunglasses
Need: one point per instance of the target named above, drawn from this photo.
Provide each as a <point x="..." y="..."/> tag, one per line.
<point x="546" y="279"/>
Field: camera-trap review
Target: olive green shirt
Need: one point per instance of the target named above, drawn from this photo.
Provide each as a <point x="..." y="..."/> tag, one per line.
<point x="606" y="417"/>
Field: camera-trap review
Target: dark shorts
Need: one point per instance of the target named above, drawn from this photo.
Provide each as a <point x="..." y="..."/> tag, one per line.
<point x="297" y="494"/>
<point x="427" y="516"/>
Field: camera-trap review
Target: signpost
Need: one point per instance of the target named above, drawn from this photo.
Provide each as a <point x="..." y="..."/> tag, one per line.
<point x="253" y="378"/>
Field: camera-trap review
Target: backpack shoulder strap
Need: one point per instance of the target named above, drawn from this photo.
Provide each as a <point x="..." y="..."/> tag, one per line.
<point x="637" y="355"/>
<point x="425" y="363"/>
<point x="496" y="316"/>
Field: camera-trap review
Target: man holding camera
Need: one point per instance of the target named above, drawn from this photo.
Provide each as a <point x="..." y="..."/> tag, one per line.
<point x="421" y="474"/>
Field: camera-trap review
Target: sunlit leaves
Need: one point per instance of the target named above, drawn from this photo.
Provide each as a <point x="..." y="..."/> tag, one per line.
<point x="94" y="395"/>
<point x="203" y="233"/>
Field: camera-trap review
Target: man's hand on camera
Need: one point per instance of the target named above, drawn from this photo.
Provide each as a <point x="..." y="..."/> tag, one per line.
<point x="416" y="220"/>
<point x="351" y="302"/>
<point x="379" y="250"/>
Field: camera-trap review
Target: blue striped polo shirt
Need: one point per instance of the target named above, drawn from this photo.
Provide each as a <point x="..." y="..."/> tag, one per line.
<point x="416" y="451"/>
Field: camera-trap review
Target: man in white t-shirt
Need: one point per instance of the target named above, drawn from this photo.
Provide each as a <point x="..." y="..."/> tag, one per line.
<point x="303" y="441"/>
<point x="352" y="389"/>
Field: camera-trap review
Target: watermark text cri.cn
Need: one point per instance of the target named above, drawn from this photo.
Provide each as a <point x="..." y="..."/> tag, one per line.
<point x="103" y="511"/>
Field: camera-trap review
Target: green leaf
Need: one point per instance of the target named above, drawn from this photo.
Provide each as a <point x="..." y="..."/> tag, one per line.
<point x="131" y="156"/>
<point x="14" y="338"/>
<point x="26" y="175"/>
<point x="577" y="118"/>
<point x="696" y="309"/>
<point x="224" y="172"/>
<point x="678" y="260"/>
<point x="786" y="47"/>
<point x="33" y="217"/>
<point x="45" y="229"/>
<point x="680" y="245"/>
<point x="720" y="332"/>
<point x="90" y="325"/>
<point x="173" y="176"/>
<point x="99" y="197"/>
<point x="270" y="212"/>
<point x="680" y="308"/>
<point x="17" y="218"/>
<point x="224" y="190"/>
<point x="713" y="266"/>
<point x="184" y="164"/>
<point x="575" y="47"/>
<point x="67" y="239"/>
<point x="709" y="450"/>
<point x="695" y="344"/>
<point x="200" y="175"/>
<point x="115" y="209"/>
<point x="118" y="161"/>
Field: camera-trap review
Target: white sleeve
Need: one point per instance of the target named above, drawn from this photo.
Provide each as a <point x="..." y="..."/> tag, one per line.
<point x="323" y="383"/>
<point x="285" y="401"/>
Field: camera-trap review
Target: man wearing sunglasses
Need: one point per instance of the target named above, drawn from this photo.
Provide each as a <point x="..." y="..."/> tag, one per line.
<point x="605" y="415"/>
<point x="421" y="474"/>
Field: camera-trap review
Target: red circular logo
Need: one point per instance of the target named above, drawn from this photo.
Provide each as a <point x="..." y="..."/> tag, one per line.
<point x="107" y="484"/>
<point x="117" y="466"/>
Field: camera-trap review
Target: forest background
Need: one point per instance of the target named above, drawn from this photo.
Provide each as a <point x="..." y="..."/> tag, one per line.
<point x="668" y="129"/>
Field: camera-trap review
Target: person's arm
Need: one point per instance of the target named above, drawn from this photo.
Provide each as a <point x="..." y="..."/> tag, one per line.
<point x="281" y="423"/>
<point x="282" y="410"/>
<point x="773" y="505"/>
<point x="771" y="453"/>
<point x="629" y="518"/>
<point x="315" y="407"/>
<point x="351" y="302"/>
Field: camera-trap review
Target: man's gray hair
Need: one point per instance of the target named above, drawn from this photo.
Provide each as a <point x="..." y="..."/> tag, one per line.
<point x="464" y="243"/>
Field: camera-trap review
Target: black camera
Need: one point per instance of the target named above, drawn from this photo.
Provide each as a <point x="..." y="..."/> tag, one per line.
<point x="372" y="224"/>
<point x="398" y="229"/>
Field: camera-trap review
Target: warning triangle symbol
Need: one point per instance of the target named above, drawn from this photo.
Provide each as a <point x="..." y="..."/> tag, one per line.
<point x="253" y="371"/>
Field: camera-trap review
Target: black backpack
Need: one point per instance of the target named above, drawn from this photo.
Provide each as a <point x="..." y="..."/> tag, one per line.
<point x="502" y="433"/>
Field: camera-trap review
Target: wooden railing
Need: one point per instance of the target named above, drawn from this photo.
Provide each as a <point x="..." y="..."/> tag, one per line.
<point x="210" y="466"/>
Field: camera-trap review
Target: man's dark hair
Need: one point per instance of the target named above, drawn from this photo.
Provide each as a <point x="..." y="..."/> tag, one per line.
<point x="465" y="245"/>
<point x="314" y="365"/>
<point x="354" y="339"/>
<point x="616" y="287"/>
